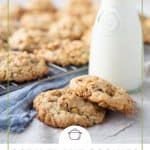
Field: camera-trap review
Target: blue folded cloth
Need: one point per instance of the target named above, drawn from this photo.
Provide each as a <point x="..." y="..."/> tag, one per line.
<point x="16" y="111"/>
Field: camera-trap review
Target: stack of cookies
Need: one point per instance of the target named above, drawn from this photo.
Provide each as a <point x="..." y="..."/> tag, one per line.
<point x="38" y="33"/>
<point x="84" y="102"/>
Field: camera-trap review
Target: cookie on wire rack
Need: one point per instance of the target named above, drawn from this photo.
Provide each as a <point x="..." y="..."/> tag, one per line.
<point x="21" y="67"/>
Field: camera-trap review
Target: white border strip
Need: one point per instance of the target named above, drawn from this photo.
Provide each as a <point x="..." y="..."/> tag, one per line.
<point x="74" y="147"/>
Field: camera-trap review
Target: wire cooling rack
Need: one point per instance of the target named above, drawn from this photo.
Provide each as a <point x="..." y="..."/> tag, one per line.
<point x="54" y="72"/>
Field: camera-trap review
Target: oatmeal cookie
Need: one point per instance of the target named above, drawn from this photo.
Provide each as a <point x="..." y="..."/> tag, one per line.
<point x="60" y="108"/>
<point x="89" y="18"/>
<point x="40" y="21"/>
<point x="20" y="67"/>
<point x="3" y="45"/>
<point x="3" y="37"/>
<point x="84" y="10"/>
<point x="40" y="5"/>
<point x="68" y="53"/>
<point x="15" y="11"/>
<point x="147" y="31"/>
<point x="78" y="7"/>
<point x="103" y="93"/>
<point x="67" y="28"/>
<point x="28" y="39"/>
<point x="87" y="37"/>
<point x="6" y="30"/>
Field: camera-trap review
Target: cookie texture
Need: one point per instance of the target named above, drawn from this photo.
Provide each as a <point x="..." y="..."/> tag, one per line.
<point x="15" y="11"/>
<point x="40" y="6"/>
<point x="67" y="53"/>
<point x="20" y="67"/>
<point x="83" y="10"/>
<point x="78" y="7"/>
<point x="67" y="27"/>
<point x="89" y="18"/>
<point x="36" y="20"/>
<point x="103" y="93"/>
<point x="27" y="39"/>
<point x="3" y="37"/>
<point x="5" y="32"/>
<point x="87" y="37"/>
<point x="62" y="108"/>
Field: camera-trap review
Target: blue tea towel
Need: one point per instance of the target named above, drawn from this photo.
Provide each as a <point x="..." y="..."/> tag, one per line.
<point x="16" y="111"/>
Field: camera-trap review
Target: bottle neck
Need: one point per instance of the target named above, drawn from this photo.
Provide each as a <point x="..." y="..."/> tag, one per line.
<point x="123" y="4"/>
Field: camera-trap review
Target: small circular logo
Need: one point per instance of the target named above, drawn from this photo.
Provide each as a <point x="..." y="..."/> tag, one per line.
<point x="75" y="134"/>
<point x="109" y="20"/>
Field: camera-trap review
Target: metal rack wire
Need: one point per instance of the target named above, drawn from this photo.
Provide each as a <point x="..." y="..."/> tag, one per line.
<point x="54" y="72"/>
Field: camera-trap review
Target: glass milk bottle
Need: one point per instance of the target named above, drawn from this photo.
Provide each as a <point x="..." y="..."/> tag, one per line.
<point x="116" y="46"/>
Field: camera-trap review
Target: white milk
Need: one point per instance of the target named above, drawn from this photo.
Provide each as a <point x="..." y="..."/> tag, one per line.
<point x="116" y="46"/>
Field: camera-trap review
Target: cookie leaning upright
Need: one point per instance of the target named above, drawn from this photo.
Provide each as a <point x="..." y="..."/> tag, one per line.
<point x="103" y="93"/>
<point x="21" y="66"/>
<point x="62" y="108"/>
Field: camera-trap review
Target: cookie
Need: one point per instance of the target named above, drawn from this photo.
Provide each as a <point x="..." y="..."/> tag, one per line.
<point x="89" y="18"/>
<point x="40" y="6"/>
<point x="87" y="37"/>
<point x="86" y="3"/>
<point x="21" y="67"/>
<point x="62" y="108"/>
<point x="40" y="21"/>
<point x="147" y="31"/>
<point x="67" y="28"/>
<point x="78" y="7"/>
<point x="2" y="44"/>
<point x="66" y="54"/>
<point x="103" y="93"/>
<point x="28" y="39"/>
<point x="15" y="11"/>
<point x="84" y="10"/>
<point x="6" y="30"/>
<point x="3" y="37"/>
